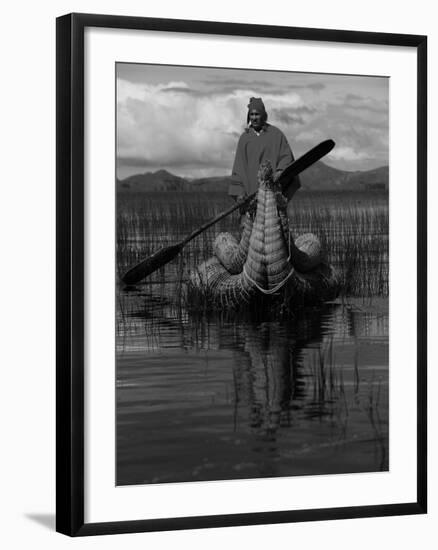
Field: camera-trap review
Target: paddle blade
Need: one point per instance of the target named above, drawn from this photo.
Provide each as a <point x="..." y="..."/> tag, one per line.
<point x="309" y="158"/>
<point x="151" y="264"/>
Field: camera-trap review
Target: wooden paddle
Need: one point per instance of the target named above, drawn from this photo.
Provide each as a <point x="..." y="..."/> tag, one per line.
<point x="168" y="253"/>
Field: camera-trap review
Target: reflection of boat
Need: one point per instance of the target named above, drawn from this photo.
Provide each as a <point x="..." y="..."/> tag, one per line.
<point x="267" y="262"/>
<point x="268" y="372"/>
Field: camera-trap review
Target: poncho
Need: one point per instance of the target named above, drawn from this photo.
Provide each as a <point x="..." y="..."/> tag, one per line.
<point x="252" y="149"/>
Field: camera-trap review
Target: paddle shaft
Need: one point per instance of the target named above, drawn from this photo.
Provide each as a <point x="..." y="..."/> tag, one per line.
<point x="285" y="178"/>
<point x="166" y="254"/>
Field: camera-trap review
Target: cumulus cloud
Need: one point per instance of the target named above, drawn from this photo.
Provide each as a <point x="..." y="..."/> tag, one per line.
<point x="164" y="126"/>
<point x="228" y="84"/>
<point x="293" y="116"/>
<point x="190" y="120"/>
<point x="237" y="83"/>
<point x="369" y="104"/>
<point x="173" y="125"/>
<point x="347" y="153"/>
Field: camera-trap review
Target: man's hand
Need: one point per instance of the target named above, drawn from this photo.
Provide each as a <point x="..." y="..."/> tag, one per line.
<point x="243" y="208"/>
<point x="277" y="175"/>
<point x="239" y="198"/>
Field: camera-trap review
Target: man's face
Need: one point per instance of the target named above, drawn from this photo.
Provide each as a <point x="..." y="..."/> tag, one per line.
<point x="256" y="119"/>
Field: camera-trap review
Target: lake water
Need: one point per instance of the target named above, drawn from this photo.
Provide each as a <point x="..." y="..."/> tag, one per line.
<point x="212" y="396"/>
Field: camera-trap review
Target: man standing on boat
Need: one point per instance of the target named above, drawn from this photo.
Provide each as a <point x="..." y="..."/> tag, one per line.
<point x="260" y="141"/>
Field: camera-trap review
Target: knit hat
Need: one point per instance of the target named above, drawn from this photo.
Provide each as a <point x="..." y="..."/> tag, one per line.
<point x="257" y="104"/>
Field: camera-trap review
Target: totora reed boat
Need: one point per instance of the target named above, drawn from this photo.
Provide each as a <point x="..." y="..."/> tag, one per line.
<point x="268" y="265"/>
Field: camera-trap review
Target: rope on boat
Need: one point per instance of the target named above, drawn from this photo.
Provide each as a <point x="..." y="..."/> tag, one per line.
<point x="281" y="283"/>
<point x="272" y="290"/>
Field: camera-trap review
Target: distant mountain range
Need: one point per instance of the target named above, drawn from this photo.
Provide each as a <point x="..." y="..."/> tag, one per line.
<point x="319" y="177"/>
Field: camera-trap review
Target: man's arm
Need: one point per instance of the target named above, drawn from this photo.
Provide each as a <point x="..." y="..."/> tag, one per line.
<point x="236" y="190"/>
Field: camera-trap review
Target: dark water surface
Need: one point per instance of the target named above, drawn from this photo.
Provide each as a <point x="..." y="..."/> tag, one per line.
<point x="221" y="396"/>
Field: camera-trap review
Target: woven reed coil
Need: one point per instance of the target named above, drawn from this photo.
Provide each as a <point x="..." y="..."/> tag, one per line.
<point x="205" y="275"/>
<point x="316" y="286"/>
<point x="226" y="249"/>
<point x="306" y="252"/>
<point x="230" y="253"/>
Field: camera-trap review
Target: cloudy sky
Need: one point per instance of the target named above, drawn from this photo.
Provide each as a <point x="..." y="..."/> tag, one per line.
<point x="187" y="120"/>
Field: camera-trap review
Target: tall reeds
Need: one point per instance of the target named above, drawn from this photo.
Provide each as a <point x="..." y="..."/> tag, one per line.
<point x="353" y="228"/>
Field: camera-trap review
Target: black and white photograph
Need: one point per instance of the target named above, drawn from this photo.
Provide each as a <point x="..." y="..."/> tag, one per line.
<point x="218" y="287"/>
<point x="252" y="268"/>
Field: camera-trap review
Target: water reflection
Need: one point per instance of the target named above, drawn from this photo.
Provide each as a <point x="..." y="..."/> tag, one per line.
<point x="268" y="367"/>
<point x="238" y="397"/>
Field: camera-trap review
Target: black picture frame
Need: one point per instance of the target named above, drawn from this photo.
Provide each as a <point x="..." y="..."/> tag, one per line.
<point x="70" y="272"/>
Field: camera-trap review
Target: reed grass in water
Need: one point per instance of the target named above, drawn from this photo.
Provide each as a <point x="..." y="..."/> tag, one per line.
<point x="353" y="228"/>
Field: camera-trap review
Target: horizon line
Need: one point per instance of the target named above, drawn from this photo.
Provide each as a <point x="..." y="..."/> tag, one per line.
<point x="229" y="175"/>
